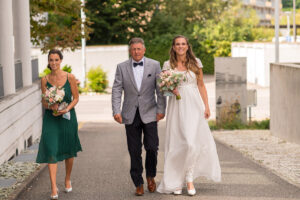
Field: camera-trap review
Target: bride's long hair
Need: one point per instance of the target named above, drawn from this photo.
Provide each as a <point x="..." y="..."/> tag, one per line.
<point x="190" y="61"/>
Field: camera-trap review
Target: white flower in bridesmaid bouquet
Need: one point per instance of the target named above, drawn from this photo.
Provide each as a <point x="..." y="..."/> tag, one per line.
<point x="60" y="92"/>
<point x="54" y="95"/>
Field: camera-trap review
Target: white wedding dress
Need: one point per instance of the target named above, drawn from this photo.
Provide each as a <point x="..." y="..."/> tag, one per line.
<point x="190" y="149"/>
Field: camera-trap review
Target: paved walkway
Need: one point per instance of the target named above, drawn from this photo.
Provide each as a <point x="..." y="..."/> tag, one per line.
<point x="101" y="171"/>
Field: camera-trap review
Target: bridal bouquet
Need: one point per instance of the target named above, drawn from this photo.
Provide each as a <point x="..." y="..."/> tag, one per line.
<point x="168" y="80"/>
<point x="55" y="95"/>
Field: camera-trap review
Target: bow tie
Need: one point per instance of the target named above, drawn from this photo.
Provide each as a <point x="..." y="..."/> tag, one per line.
<point x="136" y="64"/>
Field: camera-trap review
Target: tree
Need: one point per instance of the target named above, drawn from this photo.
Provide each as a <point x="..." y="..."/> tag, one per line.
<point x="56" y="24"/>
<point x="180" y="17"/>
<point x="289" y="3"/>
<point x="211" y="26"/>
<point x="115" y="22"/>
<point x="214" y="38"/>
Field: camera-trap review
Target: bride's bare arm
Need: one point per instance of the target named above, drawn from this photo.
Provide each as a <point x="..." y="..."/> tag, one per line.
<point x="203" y="93"/>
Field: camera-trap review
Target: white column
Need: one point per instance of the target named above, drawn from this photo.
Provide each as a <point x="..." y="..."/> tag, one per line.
<point x="6" y="46"/>
<point x="83" y="47"/>
<point x="21" y="19"/>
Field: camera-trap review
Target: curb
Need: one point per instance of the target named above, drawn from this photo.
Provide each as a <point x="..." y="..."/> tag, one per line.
<point x="24" y="185"/>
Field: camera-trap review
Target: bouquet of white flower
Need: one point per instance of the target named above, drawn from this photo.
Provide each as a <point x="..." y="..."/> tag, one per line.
<point x="55" y="95"/>
<point x="169" y="80"/>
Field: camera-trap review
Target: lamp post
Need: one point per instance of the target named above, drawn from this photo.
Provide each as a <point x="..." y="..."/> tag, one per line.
<point x="288" y="26"/>
<point x="276" y="31"/>
<point x="83" y="45"/>
<point x="294" y="21"/>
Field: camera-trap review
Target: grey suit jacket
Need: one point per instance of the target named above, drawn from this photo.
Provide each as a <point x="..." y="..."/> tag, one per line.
<point x="145" y="99"/>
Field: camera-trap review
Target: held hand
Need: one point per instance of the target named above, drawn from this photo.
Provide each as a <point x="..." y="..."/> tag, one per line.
<point x="118" y="118"/>
<point x="64" y="111"/>
<point x="207" y="113"/>
<point x="159" y="116"/>
<point x="56" y="114"/>
<point x="175" y="92"/>
<point x="54" y="107"/>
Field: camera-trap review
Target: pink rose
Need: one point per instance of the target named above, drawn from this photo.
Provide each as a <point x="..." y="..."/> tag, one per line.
<point x="47" y="93"/>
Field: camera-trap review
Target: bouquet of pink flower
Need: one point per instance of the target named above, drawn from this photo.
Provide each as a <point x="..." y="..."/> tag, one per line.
<point x="169" y="80"/>
<point x="54" y="95"/>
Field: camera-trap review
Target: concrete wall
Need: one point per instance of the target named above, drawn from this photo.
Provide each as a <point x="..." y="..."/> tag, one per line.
<point x="231" y="88"/>
<point x="260" y="55"/>
<point x="285" y="101"/>
<point x="106" y="56"/>
<point x="20" y="119"/>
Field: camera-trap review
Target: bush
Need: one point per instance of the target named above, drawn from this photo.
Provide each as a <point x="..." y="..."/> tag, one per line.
<point x="66" y="68"/>
<point x="97" y="79"/>
<point x="83" y="90"/>
<point x="45" y="72"/>
<point x="261" y="125"/>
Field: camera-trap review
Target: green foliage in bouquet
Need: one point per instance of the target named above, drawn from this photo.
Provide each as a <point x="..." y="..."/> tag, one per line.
<point x="97" y="79"/>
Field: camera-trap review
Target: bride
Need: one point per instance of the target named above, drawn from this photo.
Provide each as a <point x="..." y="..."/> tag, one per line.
<point x="190" y="150"/>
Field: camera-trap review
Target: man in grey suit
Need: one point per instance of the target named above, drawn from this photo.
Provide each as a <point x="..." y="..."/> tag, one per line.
<point x="140" y="111"/>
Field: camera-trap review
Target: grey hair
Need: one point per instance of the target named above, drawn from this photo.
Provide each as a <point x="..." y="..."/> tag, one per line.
<point x="136" y="40"/>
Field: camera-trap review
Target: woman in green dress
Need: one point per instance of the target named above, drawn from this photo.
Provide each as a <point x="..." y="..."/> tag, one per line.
<point x="59" y="140"/>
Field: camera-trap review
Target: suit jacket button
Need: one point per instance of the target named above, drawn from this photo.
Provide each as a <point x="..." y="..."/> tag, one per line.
<point x="139" y="95"/>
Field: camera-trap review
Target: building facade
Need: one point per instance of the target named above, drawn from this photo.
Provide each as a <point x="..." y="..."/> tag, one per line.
<point x="260" y="55"/>
<point x="20" y="96"/>
<point x="265" y="9"/>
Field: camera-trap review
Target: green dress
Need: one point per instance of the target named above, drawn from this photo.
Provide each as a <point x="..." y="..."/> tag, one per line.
<point x="59" y="140"/>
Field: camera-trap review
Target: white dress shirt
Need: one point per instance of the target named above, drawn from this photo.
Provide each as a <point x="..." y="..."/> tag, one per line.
<point x="138" y="72"/>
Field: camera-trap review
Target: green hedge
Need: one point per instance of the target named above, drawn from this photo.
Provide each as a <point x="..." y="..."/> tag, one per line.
<point x="264" y="125"/>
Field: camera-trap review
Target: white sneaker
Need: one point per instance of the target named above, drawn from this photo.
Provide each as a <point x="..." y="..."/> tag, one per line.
<point x="177" y="192"/>
<point x="191" y="192"/>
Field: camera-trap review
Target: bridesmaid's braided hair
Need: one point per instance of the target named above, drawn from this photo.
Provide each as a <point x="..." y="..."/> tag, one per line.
<point x="54" y="51"/>
<point x="190" y="63"/>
